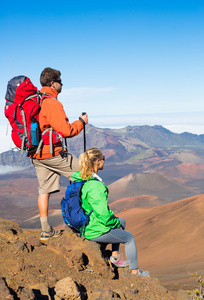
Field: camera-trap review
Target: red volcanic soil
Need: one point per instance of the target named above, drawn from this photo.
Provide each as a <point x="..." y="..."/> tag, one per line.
<point x="112" y="140"/>
<point x="18" y="199"/>
<point x="24" y="191"/>
<point x="158" y="164"/>
<point x="132" y="202"/>
<point x="109" y="152"/>
<point x="20" y="187"/>
<point x="170" y="240"/>
<point x="186" y="170"/>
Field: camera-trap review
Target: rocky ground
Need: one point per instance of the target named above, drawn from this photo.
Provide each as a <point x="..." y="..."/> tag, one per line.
<point x="66" y="267"/>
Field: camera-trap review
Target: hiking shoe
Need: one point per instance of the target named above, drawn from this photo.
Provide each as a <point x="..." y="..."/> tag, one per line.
<point x="53" y="233"/>
<point x="119" y="262"/>
<point x="143" y="273"/>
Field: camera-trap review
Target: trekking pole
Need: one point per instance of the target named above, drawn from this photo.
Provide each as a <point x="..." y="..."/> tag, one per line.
<point x="84" y="113"/>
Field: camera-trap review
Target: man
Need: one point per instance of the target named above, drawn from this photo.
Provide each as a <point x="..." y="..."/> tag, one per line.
<point x="49" y="166"/>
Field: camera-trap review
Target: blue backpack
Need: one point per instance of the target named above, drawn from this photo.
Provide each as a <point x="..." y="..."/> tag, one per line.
<point x="72" y="212"/>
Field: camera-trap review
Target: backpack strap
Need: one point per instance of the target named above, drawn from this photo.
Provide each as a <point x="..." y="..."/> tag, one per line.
<point x="41" y="141"/>
<point x="25" y="128"/>
<point x="25" y="133"/>
<point x="87" y="216"/>
<point x="50" y="137"/>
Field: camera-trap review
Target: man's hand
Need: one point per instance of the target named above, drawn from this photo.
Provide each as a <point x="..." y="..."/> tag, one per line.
<point x="84" y="117"/>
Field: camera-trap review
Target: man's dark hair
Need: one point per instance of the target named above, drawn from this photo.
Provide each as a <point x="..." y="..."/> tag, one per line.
<point x="49" y="75"/>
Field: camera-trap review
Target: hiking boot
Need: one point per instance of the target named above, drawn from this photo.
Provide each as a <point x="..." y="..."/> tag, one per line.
<point x="53" y="233"/>
<point x="143" y="273"/>
<point x="119" y="262"/>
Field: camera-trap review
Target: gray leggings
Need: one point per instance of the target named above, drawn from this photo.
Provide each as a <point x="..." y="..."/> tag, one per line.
<point x="116" y="236"/>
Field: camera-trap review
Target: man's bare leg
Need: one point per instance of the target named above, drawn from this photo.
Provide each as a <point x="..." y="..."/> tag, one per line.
<point x="43" y="202"/>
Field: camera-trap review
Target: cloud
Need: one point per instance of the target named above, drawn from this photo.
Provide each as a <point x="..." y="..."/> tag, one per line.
<point x="180" y="128"/>
<point x="5" y="137"/>
<point x="10" y="169"/>
<point x="80" y="93"/>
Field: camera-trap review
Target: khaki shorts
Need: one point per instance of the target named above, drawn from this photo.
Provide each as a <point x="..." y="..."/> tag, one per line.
<point x="49" y="170"/>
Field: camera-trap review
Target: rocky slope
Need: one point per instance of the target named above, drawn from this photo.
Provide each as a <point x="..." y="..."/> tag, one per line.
<point x="67" y="267"/>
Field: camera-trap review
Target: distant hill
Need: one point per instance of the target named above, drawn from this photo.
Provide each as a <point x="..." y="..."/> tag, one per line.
<point x="154" y="184"/>
<point x="187" y="170"/>
<point x="18" y="197"/>
<point x="14" y="158"/>
<point x="158" y="136"/>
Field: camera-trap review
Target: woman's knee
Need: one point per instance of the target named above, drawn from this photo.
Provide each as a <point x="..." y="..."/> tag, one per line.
<point x="130" y="237"/>
<point x="122" y="222"/>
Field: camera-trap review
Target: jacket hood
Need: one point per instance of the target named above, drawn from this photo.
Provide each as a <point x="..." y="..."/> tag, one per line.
<point x="76" y="176"/>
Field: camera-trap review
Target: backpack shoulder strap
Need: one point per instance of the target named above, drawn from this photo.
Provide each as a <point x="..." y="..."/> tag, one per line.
<point x="94" y="178"/>
<point x="44" y="96"/>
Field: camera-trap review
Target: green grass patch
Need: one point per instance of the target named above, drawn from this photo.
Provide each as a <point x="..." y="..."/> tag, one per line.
<point x="143" y="154"/>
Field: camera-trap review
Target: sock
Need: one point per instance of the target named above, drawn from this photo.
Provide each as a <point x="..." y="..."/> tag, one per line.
<point x="44" y="224"/>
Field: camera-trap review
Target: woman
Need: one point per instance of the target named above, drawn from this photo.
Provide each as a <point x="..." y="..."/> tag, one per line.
<point x="104" y="226"/>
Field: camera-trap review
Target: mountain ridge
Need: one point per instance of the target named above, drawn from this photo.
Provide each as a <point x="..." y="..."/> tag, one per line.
<point x="119" y="144"/>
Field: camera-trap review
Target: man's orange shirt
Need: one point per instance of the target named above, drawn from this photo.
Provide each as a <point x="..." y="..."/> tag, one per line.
<point x="53" y="115"/>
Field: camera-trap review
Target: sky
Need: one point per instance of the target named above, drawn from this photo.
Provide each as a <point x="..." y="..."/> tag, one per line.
<point x="125" y="62"/>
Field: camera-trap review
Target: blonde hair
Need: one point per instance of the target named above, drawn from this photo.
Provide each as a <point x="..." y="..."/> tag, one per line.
<point x="86" y="162"/>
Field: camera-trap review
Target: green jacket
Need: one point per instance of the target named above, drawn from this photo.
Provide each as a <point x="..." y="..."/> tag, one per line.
<point x="95" y="197"/>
